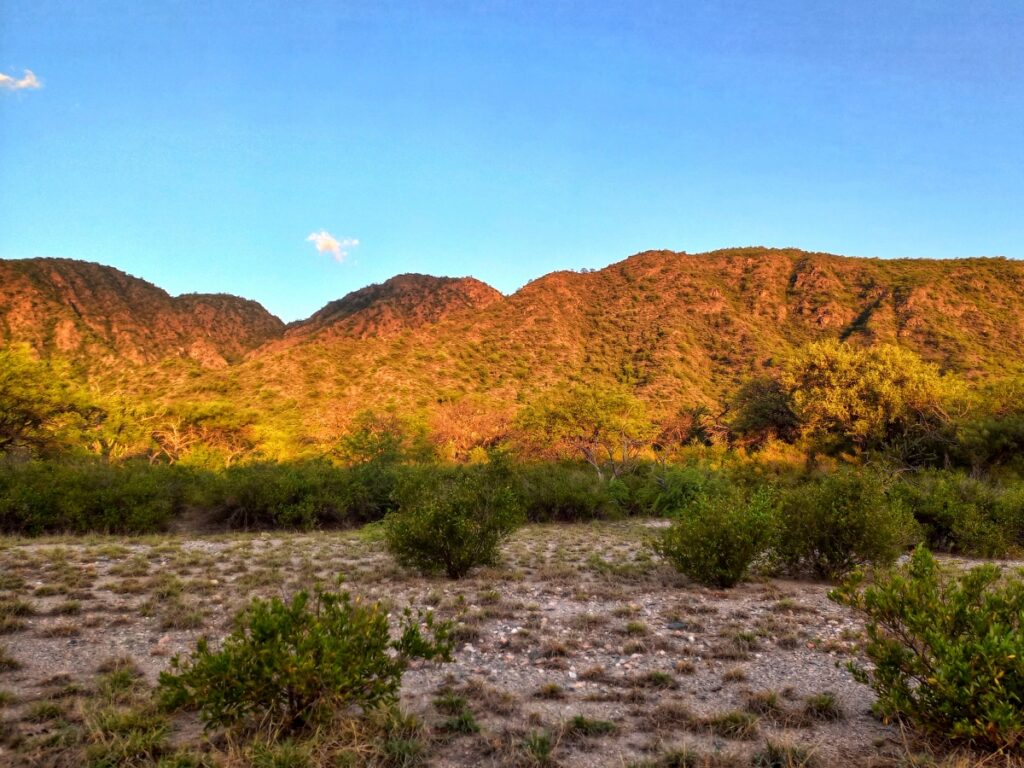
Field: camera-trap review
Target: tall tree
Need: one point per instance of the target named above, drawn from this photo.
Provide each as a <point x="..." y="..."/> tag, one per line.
<point x="607" y="427"/>
<point x="762" y="409"/>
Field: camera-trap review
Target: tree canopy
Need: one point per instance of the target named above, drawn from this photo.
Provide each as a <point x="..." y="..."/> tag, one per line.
<point x="40" y="410"/>
<point x="606" y="426"/>
<point x="851" y="400"/>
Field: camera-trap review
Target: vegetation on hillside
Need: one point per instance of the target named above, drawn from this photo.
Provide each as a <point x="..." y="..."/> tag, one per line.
<point x="678" y="332"/>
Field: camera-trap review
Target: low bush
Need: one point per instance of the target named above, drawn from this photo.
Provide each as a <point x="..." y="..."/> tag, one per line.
<point x="716" y="538"/>
<point x="831" y="523"/>
<point x="674" y="488"/>
<point x="962" y="514"/>
<point x="287" y="665"/>
<point x="452" y="520"/>
<point x="947" y="649"/>
<point x="562" y="492"/>
<point x="88" y="496"/>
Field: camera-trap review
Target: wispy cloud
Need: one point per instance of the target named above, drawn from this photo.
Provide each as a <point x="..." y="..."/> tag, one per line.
<point x="26" y="82"/>
<point x="325" y="242"/>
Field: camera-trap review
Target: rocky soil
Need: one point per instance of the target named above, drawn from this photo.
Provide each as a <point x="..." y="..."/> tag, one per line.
<point x="578" y="621"/>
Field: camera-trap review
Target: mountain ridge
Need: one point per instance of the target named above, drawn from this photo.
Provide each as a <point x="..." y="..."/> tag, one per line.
<point x="80" y="308"/>
<point x="677" y="329"/>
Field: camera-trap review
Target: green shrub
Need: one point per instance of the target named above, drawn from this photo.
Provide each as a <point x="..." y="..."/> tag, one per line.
<point x="88" y="496"/>
<point x="626" y="491"/>
<point x="288" y="664"/>
<point x="452" y="520"/>
<point x="369" y="490"/>
<point x="832" y="523"/>
<point x="674" y="488"/>
<point x="963" y="514"/>
<point x="562" y="492"/>
<point x="993" y="440"/>
<point x="270" y="495"/>
<point x="715" y="539"/>
<point x="947" y="649"/>
<point x="306" y="494"/>
<point x="1010" y="513"/>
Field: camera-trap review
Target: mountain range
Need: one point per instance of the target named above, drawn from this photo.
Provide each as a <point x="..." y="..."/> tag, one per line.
<point x="677" y="328"/>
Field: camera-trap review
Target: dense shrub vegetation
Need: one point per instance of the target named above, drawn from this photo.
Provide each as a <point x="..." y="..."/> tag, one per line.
<point x="289" y="664"/>
<point x="863" y="450"/>
<point x="562" y="492"/>
<point x="946" y="649"/>
<point x="299" y="495"/>
<point x="827" y="521"/>
<point x="675" y="488"/>
<point x="964" y="514"/>
<point x="83" y="496"/>
<point x="833" y="522"/>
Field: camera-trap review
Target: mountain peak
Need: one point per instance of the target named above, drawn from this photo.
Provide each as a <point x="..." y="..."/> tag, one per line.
<point x="89" y="311"/>
<point x="404" y="302"/>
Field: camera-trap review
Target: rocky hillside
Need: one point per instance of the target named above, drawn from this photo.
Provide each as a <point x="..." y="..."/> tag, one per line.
<point x="101" y="316"/>
<point x="404" y="302"/>
<point x="679" y="329"/>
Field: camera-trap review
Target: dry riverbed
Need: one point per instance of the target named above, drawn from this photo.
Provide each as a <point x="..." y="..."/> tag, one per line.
<point x="580" y="637"/>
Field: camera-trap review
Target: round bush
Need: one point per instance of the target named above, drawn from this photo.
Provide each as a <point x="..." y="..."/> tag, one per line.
<point x="832" y="523"/>
<point x="452" y="520"/>
<point x="288" y="664"/>
<point x="716" y="539"/>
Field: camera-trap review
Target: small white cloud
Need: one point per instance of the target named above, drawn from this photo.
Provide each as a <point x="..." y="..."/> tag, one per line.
<point x="26" y="82"/>
<point x="325" y="242"/>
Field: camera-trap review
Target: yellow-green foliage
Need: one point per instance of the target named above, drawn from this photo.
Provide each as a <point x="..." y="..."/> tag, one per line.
<point x="606" y="426"/>
<point x="41" y="409"/>
<point x="852" y="399"/>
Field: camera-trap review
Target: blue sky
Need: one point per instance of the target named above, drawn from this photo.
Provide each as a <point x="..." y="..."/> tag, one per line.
<point x="199" y="147"/>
